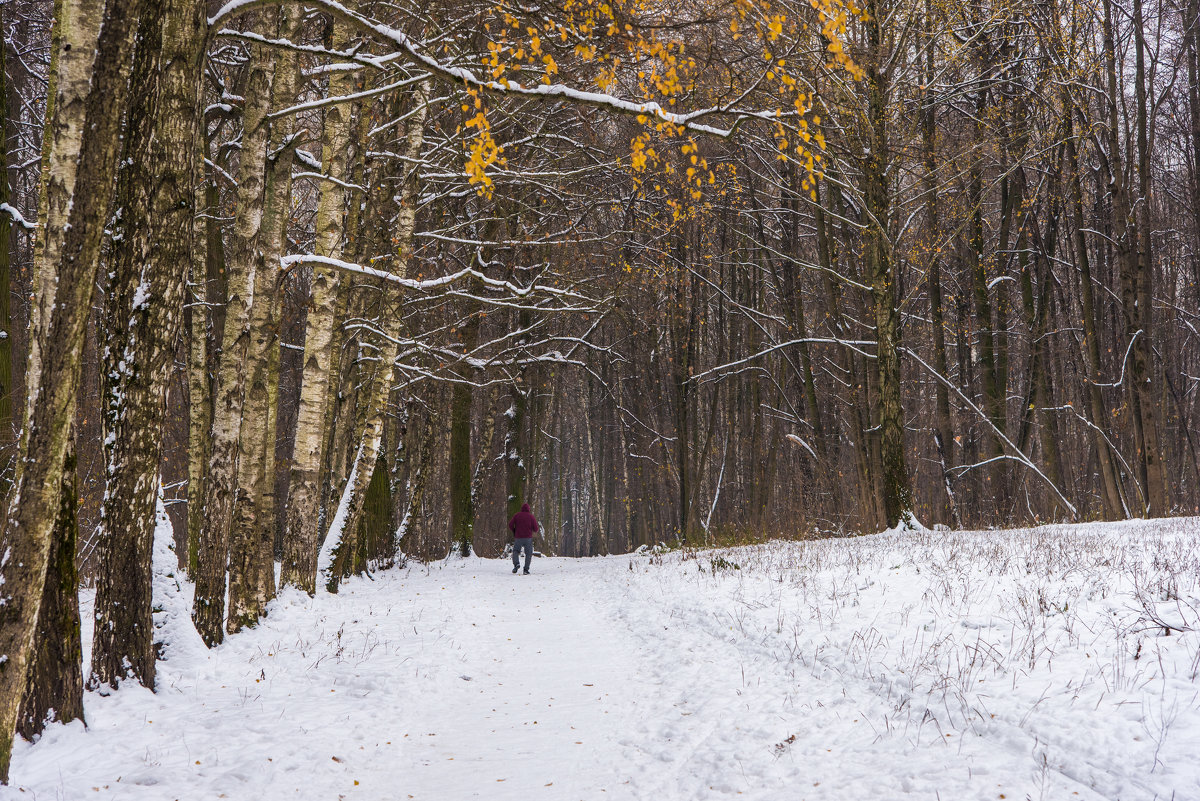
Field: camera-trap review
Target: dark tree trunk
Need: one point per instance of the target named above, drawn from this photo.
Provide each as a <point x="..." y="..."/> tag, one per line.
<point x="55" y="687"/>
<point x="124" y="641"/>
<point x="897" y="487"/>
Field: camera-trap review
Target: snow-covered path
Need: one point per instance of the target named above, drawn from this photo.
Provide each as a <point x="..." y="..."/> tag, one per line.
<point x="987" y="665"/>
<point x="526" y="689"/>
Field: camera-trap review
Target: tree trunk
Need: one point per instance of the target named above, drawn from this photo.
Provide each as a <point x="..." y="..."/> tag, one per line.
<point x="1191" y="28"/>
<point x="599" y="536"/>
<point x="300" y="538"/>
<point x="381" y="385"/>
<point x="207" y="290"/>
<point x="943" y="432"/>
<point x="252" y="534"/>
<point x="55" y="686"/>
<point x="1096" y="417"/>
<point x="133" y="380"/>
<point x="208" y="611"/>
<point x="516" y="473"/>
<point x="73" y="50"/>
<point x="375" y="525"/>
<point x="8" y="424"/>
<point x="486" y="437"/>
<point x="1141" y="368"/>
<point x="145" y="311"/>
<point x="1037" y="310"/>
<point x="462" y="512"/>
<point x="416" y="487"/>
<point x="993" y="391"/>
<point x="897" y="489"/>
<point x="55" y="681"/>
<point x="27" y="526"/>
<point x="1125" y="237"/>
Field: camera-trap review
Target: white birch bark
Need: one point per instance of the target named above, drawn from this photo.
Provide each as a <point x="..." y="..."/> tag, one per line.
<point x="78" y="25"/>
<point x="26" y="538"/>
<point x="209" y="610"/>
<point x="304" y="496"/>
<point x="54" y="681"/>
<point x="381" y="386"/>
<point x="252" y="537"/>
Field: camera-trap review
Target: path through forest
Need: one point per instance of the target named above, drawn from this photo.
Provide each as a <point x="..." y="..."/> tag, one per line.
<point x="528" y="686"/>
<point x="974" y="665"/>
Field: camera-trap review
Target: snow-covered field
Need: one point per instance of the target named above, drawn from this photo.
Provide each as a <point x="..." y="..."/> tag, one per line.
<point x="1052" y="663"/>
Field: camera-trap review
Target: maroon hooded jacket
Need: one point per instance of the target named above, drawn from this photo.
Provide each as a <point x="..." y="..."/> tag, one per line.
<point x="523" y="524"/>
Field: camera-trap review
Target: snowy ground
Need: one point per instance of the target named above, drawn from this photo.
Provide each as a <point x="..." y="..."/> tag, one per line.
<point x="1053" y="663"/>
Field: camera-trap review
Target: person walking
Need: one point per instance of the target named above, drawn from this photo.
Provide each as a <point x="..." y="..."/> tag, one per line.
<point x="523" y="526"/>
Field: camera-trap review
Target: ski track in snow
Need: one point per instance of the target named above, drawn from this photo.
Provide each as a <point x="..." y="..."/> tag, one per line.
<point x="1008" y="664"/>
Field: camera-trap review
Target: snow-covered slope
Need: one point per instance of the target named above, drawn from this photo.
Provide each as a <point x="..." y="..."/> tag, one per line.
<point x="1053" y="663"/>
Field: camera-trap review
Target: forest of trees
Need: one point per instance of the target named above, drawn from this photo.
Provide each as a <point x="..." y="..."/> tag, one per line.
<point x="343" y="283"/>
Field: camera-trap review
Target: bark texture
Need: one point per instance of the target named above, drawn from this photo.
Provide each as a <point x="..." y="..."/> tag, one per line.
<point x="208" y="612"/>
<point x="145" y="310"/>
<point x="73" y="50"/>
<point x="8" y="438"/>
<point x="54" y="690"/>
<point x="301" y="531"/>
<point x="124" y="640"/>
<point x="897" y="489"/>
<point x="25" y="545"/>
<point x="252" y="540"/>
<point x="54" y="678"/>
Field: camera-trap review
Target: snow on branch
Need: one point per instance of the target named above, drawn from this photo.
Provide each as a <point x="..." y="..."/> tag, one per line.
<point x="288" y="262"/>
<point x="1124" y="362"/>
<point x="309" y="160"/>
<point x="549" y="91"/>
<point x="378" y="62"/>
<point x="331" y="101"/>
<point x="320" y="176"/>
<point x="853" y="344"/>
<point x="17" y="217"/>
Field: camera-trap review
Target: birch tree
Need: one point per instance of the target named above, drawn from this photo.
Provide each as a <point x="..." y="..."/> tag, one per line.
<point x="27" y="528"/>
<point x="144" y="314"/>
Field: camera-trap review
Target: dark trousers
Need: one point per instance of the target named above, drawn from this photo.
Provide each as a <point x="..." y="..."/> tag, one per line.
<point x="522" y="544"/>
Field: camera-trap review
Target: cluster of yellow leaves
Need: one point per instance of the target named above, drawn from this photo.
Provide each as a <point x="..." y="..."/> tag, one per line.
<point x="835" y="16"/>
<point x="693" y="172"/>
<point x="518" y="46"/>
<point x="482" y="150"/>
<point x="665" y="70"/>
<point x="618" y="44"/>
<point x="801" y="139"/>
<point x="639" y="152"/>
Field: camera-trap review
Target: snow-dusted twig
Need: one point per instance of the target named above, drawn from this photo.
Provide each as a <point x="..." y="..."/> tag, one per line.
<point x="547" y="91"/>
<point x="17" y="217"/>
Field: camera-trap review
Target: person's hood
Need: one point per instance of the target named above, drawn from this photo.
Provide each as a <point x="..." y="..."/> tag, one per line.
<point x="524" y="507"/>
